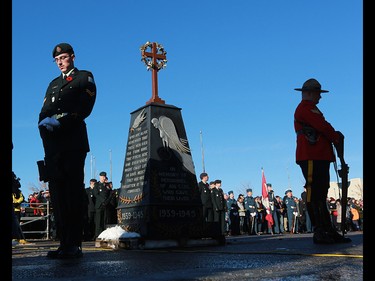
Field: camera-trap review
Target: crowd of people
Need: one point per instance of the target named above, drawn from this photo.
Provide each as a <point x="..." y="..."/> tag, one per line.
<point x="245" y="214"/>
<point x="242" y="214"/>
<point x="100" y="198"/>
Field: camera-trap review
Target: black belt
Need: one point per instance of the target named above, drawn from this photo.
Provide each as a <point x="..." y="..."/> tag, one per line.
<point x="60" y="115"/>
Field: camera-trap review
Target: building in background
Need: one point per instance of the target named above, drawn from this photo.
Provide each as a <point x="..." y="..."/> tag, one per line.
<point x="355" y="189"/>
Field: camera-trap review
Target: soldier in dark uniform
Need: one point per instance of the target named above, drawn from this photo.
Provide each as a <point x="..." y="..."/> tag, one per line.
<point x="232" y="212"/>
<point x="291" y="210"/>
<point x="314" y="154"/>
<point x="205" y="192"/>
<point x="101" y="192"/>
<point x="219" y="207"/>
<point x="234" y="216"/>
<point x="272" y="202"/>
<point x="261" y="222"/>
<point x="110" y="214"/>
<point x="251" y="211"/>
<point x="89" y="229"/>
<point x="280" y="212"/>
<point x="68" y="101"/>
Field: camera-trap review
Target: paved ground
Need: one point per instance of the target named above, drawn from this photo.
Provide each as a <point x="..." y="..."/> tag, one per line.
<point x="265" y="257"/>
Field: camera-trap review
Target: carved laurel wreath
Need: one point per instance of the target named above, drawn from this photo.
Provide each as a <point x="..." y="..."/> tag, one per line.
<point x="127" y="200"/>
<point x="160" y="63"/>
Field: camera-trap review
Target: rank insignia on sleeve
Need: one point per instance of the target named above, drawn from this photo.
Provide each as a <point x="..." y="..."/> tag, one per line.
<point x="90" y="93"/>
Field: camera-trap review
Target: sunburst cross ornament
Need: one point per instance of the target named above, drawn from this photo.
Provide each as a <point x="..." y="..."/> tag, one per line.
<point x="154" y="57"/>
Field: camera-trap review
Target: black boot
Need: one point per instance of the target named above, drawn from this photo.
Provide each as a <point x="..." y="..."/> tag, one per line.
<point x="322" y="237"/>
<point x="325" y="232"/>
<point x="337" y="237"/>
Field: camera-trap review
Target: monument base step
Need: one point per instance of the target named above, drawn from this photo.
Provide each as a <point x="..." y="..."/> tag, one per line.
<point x="140" y="243"/>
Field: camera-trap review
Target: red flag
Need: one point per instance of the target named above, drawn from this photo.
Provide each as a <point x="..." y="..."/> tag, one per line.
<point x="265" y="201"/>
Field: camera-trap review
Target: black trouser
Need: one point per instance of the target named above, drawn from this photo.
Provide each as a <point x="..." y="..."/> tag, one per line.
<point x="66" y="185"/>
<point x="219" y="220"/>
<point x="99" y="221"/>
<point x="92" y="223"/>
<point x="208" y="215"/>
<point x="316" y="174"/>
<point x="89" y="225"/>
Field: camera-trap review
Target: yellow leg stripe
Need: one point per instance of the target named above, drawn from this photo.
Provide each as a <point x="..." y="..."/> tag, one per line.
<point x="309" y="179"/>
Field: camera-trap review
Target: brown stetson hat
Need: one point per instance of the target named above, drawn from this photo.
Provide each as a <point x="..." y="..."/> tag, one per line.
<point x="311" y="85"/>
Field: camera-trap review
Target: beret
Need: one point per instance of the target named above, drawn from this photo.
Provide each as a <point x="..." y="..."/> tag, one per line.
<point x="61" y="49"/>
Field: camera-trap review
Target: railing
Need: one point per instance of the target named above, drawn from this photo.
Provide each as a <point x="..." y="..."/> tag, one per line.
<point x="45" y="208"/>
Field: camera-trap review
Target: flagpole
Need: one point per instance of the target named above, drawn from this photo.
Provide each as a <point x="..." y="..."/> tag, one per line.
<point x="91" y="165"/>
<point x="110" y="164"/>
<point x="201" y="138"/>
<point x="94" y="166"/>
<point x="287" y="171"/>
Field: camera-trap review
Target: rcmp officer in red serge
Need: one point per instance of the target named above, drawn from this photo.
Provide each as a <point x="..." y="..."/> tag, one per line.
<point x="68" y="101"/>
<point x="314" y="153"/>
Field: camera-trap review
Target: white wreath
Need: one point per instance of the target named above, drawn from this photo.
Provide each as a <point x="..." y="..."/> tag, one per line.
<point x="148" y="61"/>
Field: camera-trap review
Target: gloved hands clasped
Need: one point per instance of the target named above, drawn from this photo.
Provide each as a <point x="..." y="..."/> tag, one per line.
<point x="49" y="123"/>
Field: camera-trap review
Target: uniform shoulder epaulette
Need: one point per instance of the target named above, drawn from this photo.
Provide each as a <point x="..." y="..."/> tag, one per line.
<point x="55" y="78"/>
<point x="87" y="71"/>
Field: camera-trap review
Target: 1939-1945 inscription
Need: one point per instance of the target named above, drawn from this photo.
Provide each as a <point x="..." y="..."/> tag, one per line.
<point x="159" y="196"/>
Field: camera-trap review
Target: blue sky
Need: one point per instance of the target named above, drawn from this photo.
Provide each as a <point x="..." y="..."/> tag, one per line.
<point x="232" y="67"/>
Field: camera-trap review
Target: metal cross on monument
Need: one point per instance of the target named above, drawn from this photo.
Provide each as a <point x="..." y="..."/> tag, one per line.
<point x="155" y="59"/>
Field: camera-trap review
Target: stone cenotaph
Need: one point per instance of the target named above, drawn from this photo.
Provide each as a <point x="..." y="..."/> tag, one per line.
<point x="159" y="197"/>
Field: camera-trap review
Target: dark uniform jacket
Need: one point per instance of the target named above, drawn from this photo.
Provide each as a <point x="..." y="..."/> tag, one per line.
<point x="218" y="201"/>
<point x="110" y="207"/>
<point x="101" y="193"/>
<point x="204" y="189"/>
<point x="290" y="204"/>
<point x="230" y="202"/>
<point x="272" y="200"/>
<point x="70" y="102"/>
<point x="91" y="199"/>
<point x="250" y="204"/>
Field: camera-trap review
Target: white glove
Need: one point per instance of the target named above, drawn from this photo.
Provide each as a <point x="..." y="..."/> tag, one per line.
<point x="44" y="121"/>
<point x="48" y="127"/>
<point x="253" y="214"/>
<point x="54" y="122"/>
<point x="49" y="123"/>
<point x="295" y="213"/>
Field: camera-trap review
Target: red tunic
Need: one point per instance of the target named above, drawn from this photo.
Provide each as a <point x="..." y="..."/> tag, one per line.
<point x="308" y="113"/>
